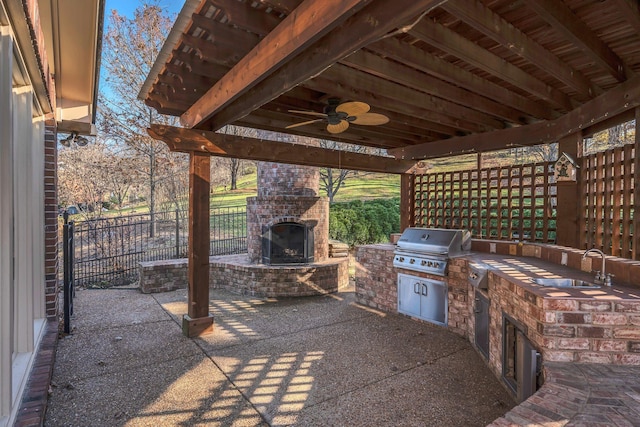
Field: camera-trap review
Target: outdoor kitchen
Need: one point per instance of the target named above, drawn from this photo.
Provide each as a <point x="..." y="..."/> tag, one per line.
<point x="489" y="295"/>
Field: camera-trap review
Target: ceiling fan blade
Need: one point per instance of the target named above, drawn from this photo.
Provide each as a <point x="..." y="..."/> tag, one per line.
<point x="339" y="128"/>
<point x="371" y="119"/>
<point x="354" y="108"/>
<point x="295" y="125"/>
<point x="310" y="113"/>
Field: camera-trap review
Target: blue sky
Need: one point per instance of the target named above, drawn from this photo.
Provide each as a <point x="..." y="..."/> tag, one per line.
<point x="126" y="7"/>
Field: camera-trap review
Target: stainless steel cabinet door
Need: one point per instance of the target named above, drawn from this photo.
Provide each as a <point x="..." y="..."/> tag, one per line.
<point x="408" y="295"/>
<point x="433" y="304"/>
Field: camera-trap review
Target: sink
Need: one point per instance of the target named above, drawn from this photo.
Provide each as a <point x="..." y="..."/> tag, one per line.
<point x="565" y="283"/>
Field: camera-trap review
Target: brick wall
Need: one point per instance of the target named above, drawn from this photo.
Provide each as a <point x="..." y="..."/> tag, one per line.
<point x="51" y="218"/>
<point x="278" y="179"/>
<point x="236" y="274"/>
<point x="376" y="280"/>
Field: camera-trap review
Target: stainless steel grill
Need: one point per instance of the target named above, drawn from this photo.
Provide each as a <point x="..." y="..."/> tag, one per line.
<point x="429" y="249"/>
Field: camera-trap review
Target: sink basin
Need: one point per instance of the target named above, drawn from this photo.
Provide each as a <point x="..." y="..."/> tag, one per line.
<point x="565" y="283"/>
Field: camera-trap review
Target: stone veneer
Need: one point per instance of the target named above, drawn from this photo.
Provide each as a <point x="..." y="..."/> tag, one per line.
<point x="236" y="274"/>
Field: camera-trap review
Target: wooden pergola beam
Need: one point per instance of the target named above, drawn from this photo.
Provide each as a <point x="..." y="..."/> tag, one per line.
<point x="306" y="24"/>
<point x="616" y="101"/>
<point x="233" y="146"/>
<point x="290" y="50"/>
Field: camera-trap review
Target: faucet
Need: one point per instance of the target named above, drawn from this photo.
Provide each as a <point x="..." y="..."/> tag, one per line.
<point x="601" y="276"/>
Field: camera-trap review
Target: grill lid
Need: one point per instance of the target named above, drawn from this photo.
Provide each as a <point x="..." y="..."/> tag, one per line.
<point x="439" y="241"/>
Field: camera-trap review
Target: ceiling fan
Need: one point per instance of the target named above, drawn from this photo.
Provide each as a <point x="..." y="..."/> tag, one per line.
<point x="339" y="115"/>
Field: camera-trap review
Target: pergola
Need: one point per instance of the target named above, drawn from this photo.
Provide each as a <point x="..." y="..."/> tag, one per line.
<point x="457" y="76"/>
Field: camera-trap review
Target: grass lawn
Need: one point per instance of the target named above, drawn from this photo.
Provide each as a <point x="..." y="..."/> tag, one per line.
<point x="360" y="186"/>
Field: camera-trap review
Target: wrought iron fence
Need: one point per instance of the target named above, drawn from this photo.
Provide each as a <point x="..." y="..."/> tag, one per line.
<point x="107" y="250"/>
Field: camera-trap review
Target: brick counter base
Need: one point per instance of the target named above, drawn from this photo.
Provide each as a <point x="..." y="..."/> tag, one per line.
<point x="236" y="274"/>
<point x="580" y="395"/>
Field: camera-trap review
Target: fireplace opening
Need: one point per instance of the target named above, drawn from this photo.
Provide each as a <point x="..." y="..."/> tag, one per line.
<point x="287" y="243"/>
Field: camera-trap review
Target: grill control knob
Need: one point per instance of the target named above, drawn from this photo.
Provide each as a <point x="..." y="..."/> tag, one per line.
<point x="401" y="259"/>
<point x="412" y="261"/>
<point x="423" y="263"/>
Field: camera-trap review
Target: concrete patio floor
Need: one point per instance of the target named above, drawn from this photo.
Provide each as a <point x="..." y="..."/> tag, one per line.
<point x="316" y="361"/>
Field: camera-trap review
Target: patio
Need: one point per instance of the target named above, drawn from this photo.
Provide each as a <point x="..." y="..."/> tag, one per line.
<point x="305" y="362"/>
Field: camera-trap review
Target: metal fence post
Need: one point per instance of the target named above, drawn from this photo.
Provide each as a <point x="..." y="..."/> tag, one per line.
<point x="68" y="288"/>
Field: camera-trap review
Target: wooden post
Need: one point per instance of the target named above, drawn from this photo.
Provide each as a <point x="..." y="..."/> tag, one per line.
<point x="198" y="321"/>
<point x="636" y="190"/>
<point x="570" y="197"/>
<point x="407" y="201"/>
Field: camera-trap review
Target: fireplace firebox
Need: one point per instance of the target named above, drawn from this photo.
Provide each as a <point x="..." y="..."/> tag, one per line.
<point x="287" y="243"/>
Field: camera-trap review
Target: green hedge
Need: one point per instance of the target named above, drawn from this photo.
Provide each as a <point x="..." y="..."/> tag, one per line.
<point x="358" y="222"/>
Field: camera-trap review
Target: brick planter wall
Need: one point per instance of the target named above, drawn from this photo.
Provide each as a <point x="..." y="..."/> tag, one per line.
<point x="237" y="274"/>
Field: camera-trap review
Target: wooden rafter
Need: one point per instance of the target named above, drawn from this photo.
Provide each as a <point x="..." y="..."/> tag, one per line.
<point x="374" y="21"/>
<point x="451" y="42"/>
<point x="246" y="17"/>
<point x="564" y="20"/>
<point x="233" y="146"/>
<point x="226" y="35"/>
<point x="630" y="12"/>
<point x="212" y="52"/>
<point x="492" y="25"/>
<point x="423" y="61"/>
<point x="612" y="103"/>
<point x="424" y="83"/>
<point x="306" y="24"/>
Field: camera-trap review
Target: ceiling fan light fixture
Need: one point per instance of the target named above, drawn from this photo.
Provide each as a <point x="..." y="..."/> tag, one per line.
<point x="338" y="116"/>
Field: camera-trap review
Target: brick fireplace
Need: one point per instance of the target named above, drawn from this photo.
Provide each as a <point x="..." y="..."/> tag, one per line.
<point x="288" y="207"/>
<point x="287" y="222"/>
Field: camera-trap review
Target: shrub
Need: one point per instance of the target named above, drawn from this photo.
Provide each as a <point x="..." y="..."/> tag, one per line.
<point x="358" y="222"/>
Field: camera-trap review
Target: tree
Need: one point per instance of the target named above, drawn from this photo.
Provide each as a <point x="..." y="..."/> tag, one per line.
<point x="129" y="51"/>
<point x="233" y="165"/>
<point x="331" y="180"/>
<point x="90" y="175"/>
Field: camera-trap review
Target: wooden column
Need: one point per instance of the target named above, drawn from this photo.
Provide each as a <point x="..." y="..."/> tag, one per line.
<point x="636" y="189"/>
<point x="407" y="201"/>
<point x="570" y="197"/>
<point x="198" y="321"/>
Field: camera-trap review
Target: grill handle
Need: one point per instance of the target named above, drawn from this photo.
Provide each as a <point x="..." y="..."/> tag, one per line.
<point x="425" y="290"/>
<point x="415" y="288"/>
